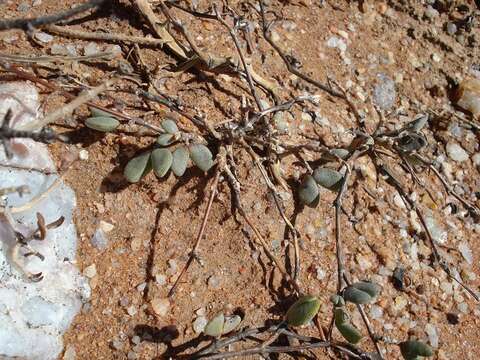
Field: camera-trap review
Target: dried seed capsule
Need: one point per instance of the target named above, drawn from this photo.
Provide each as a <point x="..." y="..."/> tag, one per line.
<point x="215" y="326"/>
<point x="180" y="161"/>
<point x="328" y="178"/>
<point x="102" y="123"/>
<point x="201" y="156"/>
<point x="100" y="113"/>
<point x="231" y="322"/>
<point x="137" y="167"/>
<point x="161" y="161"/>
<point x="468" y="96"/>
<point x="411" y="349"/>
<point x="164" y="139"/>
<point x="308" y="190"/>
<point x="169" y="126"/>
<point x="303" y="310"/>
<point x="362" y="292"/>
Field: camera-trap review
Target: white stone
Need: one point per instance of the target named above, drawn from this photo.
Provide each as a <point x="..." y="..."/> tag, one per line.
<point x="432" y="333"/>
<point x="90" y="271"/>
<point x="83" y="154"/>
<point x="160" y="306"/>
<point x="199" y="324"/>
<point x="456" y="152"/>
<point x="34" y="315"/>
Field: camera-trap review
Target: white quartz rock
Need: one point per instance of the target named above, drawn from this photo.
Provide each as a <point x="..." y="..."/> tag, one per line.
<point x="34" y="315"/>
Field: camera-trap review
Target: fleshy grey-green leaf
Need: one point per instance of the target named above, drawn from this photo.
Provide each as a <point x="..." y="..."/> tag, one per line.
<point x="303" y="310"/>
<point x="370" y="288"/>
<point x="328" y="178"/>
<point x="99" y="113"/>
<point x="169" y="126"/>
<point x="180" y="161"/>
<point x="348" y="331"/>
<point x="137" y="167"/>
<point x="308" y="190"/>
<point x="362" y="292"/>
<point x="356" y="296"/>
<point x="337" y="300"/>
<point x="164" y="139"/>
<point x="231" y="322"/>
<point x="201" y="156"/>
<point x="411" y="349"/>
<point x="161" y="161"/>
<point x="102" y="123"/>
<point x="215" y="326"/>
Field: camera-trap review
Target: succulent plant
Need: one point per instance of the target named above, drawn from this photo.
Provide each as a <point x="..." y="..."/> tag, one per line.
<point x="215" y="326"/>
<point x="102" y="123"/>
<point x="180" y="161"/>
<point x="413" y="349"/>
<point x="231" y="322"/>
<point x="165" y="139"/>
<point x="161" y="161"/>
<point x="303" y="310"/>
<point x="137" y="167"/>
<point x="328" y="178"/>
<point x="348" y="331"/>
<point x="99" y="113"/>
<point x="170" y="126"/>
<point x="362" y="292"/>
<point x="308" y="190"/>
<point x="201" y="156"/>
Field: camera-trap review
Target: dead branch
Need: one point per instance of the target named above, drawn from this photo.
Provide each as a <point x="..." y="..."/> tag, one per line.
<point x="28" y="24"/>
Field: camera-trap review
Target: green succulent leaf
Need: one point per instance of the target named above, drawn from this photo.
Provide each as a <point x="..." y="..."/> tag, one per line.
<point x="201" y="156"/>
<point x="180" y="161"/>
<point x="362" y="292"/>
<point x="169" y="126"/>
<point x="231" y="322"/>
<point x="328" y="178"/>
<point x="164" y="139"/>
<point x="337" y="300"/>
<point x="137" y="167"/>
<point x="102" y="123"/>
<point x="303" y="310"/>
<point x="161" y="161"/>
<point x="308" y="190"/>
<point x="349" y="332"/>
<point x="215" y="326"/>
<point x="100" y="113"/>
<point x="412" y="349"/>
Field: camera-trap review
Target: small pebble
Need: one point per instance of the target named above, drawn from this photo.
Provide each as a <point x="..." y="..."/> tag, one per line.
<point x="43" y="37"/>
<point x="70" y="353"/>
<point x="384" y="93"/>
<point x="432" y="333"/>
<point x="160" y="279"/>
<point x="431" y="13"/>
<point x="132" y="355"/>
<point x="466" y="252"/>
<point x="91" y="49"/>
<point x="456" y="152"/>
<point x="451" y="28"/>
<point x="131" y="310"/>
<point x="117" y="344"/>
<point x="214" y="282"/>
<point x="160" y="306"/>
<point x="199" y="324"/>
<point x="141" y="287"/>
<point x="90" y="271"/>
<point x="99" y="240"/>
<point x="83" y="154"/>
